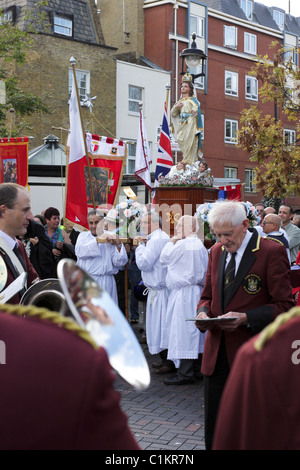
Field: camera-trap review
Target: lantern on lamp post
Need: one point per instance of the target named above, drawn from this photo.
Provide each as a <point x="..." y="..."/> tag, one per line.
<point x="193" y="58"/>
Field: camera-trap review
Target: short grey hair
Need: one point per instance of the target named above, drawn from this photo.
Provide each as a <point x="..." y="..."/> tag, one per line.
<point x="227" y="212"/>
<point x="95" y="212"/>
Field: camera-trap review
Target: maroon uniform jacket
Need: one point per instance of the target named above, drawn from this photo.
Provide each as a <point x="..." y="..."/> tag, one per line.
<point x="260" y="406"/>
<point x="31" y="272"/>
<point x="261" y="289"/>
<point x="57" y="391"/>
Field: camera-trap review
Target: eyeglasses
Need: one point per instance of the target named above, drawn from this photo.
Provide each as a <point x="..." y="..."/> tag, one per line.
<point x="265" y="223"/>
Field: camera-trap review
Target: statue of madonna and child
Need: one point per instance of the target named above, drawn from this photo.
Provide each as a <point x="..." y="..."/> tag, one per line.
<point x="186" y="124"/>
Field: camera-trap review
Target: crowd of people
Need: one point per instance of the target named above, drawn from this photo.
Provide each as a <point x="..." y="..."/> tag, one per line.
<point x="205" y="308"/>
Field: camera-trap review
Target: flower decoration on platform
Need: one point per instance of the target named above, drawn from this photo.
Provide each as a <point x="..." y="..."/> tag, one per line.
<point x="252" y="214"/>
<point x="129" y="215"/>
<point x="189" y="177"/>
<point x="202" y="212"/>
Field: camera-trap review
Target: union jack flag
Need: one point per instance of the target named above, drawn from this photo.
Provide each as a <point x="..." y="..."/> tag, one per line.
<point x="164" y="158"/>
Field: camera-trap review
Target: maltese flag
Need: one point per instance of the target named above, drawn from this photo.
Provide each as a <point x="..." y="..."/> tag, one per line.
<point x="76" y="199"/>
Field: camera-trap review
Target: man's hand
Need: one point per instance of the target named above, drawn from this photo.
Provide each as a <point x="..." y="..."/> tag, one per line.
<point x="139" y="239"/>
<point x="232" y="325"/>
<point x="203" y="326"/>
<point x="113" y="239"/>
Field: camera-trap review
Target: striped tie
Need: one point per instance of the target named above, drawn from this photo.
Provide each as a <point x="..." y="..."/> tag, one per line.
<point x="228" y="279"/>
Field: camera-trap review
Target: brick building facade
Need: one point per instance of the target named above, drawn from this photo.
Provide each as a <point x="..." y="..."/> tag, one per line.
<point x="231" y="33"/>
<point x="73" y="29"/>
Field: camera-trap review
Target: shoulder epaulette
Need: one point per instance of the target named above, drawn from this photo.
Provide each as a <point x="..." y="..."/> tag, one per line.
<point x="48" y="315"/>
<point x="271" y="329"/>
<point x="274" y="239"/>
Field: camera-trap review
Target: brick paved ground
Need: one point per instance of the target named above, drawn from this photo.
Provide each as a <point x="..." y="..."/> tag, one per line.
<point x="164" y="417"/>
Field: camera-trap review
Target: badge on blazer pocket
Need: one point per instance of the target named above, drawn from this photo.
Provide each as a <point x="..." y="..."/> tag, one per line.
<point x="252" y="284"/>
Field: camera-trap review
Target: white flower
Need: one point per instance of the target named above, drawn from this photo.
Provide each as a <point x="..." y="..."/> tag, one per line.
<point x="127" y="213"/>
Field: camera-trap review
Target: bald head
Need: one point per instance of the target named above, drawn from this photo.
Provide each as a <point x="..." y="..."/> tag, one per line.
<point x="271" y="223"/>
<point x="187" y="225"/>
<point x="269" y="210"/>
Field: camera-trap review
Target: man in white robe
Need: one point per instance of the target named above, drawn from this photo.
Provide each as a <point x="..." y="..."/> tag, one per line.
<point x="100" y="260"/>
<point x="153" y="273"/>
<point x="186" y="259"/>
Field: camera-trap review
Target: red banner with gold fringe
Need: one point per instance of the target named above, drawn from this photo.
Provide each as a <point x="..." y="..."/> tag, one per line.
<point x="14" y="160"/>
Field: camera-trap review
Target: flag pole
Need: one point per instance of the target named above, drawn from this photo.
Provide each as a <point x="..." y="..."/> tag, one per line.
<point x="73" y="62"/>
<point x="168" y="87"/>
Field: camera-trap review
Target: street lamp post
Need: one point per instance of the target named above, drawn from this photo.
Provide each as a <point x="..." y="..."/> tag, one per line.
<point x="193" y="57"/>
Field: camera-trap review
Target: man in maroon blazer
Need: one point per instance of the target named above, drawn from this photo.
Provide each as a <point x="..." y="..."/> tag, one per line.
<point x="258" y="292"/>
<point x="15" y="213"/>
<point x="57" y="388"/>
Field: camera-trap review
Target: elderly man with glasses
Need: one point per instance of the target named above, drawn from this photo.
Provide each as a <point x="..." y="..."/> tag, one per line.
<point x="271" y="227"/>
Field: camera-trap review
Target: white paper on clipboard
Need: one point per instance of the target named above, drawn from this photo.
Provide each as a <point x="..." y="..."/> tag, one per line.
<point x="13" y="288"/>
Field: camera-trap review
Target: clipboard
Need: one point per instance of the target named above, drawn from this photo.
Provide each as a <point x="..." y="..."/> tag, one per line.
<point x="213" y="320"/>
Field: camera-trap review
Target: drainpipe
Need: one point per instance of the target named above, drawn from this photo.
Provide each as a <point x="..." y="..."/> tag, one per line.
<point x="176" y="50"/>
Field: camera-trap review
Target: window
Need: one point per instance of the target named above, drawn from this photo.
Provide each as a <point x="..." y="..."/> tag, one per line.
<point x="197" y="26"/>
<point x="291" y="54"/>
<point x="135" y="97"/>
<point x="249" y="178"/>
<point x="6" y="16"/>
<point x="231" y="83"/>
<point x="230" y="172"/>
<point x="130" y="163"/>
<point x="250" y="43"/>
<point x="83" y="83"/>
<point x="278" y="17"/>
<point x="230" y="36"/>
<point x="289" y="136"/>
<point x="62" y="25"/>
<point x="199" y="81"/>
<point x="247" y="7"/>
<point x="231" y="127"/>
<point x="251" y="88"/>
<point x="202" y="132"/>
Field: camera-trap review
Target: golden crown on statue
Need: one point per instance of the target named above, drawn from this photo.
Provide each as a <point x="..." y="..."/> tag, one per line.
<point x="187" y="78"/>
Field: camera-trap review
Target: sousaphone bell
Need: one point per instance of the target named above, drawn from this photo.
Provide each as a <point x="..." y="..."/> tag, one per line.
<point x="80" y="297"/>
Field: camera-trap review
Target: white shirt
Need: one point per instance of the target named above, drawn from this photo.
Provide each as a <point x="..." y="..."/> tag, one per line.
<point x="240" y="252"/>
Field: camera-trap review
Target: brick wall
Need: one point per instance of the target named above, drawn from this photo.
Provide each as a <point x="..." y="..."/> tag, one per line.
<point x="46" y="72"/>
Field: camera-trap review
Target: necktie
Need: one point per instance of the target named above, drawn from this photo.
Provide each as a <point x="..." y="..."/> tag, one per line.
<point x="228" y="278"/>
<point x="19" y="256"/>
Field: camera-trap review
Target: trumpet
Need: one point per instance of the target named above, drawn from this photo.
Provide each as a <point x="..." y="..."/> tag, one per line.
<point x="75" y="294"/>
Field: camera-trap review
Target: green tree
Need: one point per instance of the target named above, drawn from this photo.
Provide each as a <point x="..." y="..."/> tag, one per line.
<point x="262" y="135"/>
<point x="14" y="44"/>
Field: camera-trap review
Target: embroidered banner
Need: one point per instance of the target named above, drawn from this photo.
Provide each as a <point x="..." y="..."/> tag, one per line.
<point x="14" y="160"/>
<point x="107" y="158"/>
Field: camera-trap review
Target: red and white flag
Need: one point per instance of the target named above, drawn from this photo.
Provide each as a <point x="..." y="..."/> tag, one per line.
<point x="143" y="157"/>
<point x="76" y="199"/>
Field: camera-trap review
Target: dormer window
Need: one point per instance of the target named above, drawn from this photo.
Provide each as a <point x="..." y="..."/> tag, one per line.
<point x="247" y="7"/>
<point x="278" y="17"/>
<point x="8" y="15"/>
<point x="63" y="24"/>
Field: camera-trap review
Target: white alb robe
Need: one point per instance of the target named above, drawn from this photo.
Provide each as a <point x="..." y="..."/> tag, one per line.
<point x="186" y="263"/>
<point x="101" y="261"/>
<point x="154" y="277"/>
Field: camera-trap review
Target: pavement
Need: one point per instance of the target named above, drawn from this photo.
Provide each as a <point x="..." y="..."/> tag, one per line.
<point x="163" y="417"/>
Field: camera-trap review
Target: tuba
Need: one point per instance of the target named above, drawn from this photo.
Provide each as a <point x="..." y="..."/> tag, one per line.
<point x="75" y="294"/>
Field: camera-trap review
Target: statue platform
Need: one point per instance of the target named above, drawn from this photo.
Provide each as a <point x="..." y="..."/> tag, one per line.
<point x="172" y="202"/>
